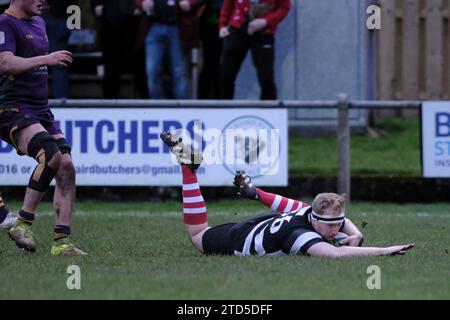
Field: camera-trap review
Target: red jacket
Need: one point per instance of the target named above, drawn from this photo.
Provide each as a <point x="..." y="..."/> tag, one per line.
<point x="236" y="12"/>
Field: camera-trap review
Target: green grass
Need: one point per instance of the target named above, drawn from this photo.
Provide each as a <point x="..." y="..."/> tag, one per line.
<point x="139" y="250"/>
<point x="396" y="152"/>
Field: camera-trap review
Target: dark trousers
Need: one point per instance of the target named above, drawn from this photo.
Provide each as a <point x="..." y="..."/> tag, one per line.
<point x="209" y="80"/>
<point x="235" y="48"/>
<point x="117" y="44"/>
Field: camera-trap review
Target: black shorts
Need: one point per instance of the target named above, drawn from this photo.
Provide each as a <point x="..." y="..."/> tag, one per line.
<point x="219" y="239"/>
<point x="13" y="120"/>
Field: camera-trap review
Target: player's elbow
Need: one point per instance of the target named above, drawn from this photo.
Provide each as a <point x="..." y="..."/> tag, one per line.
<point x="360" y="241"/>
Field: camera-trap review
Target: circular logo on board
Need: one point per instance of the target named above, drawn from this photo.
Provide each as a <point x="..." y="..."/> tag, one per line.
<point x="252" y="144"/>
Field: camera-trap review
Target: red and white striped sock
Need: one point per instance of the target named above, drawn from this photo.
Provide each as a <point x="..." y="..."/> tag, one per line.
<point x="279" y="203"/>
<point x="194" y="207"/>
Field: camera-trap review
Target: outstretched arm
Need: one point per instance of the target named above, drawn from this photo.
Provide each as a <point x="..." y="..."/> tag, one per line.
<point x="13" y="65"/>
<point x="247" y="189"/>
<point x="323" y="249"/>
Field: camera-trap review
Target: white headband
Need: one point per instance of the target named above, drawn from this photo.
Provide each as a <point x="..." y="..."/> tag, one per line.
<point x="328" y="218"/>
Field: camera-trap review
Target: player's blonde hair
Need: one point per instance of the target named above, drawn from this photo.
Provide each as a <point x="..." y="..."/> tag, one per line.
<point x="324" y="201"/>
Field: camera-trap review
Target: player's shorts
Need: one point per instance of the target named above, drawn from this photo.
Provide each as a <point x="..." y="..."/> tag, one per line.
<point x="13" y="120"/>
<point x="219" y="239"/>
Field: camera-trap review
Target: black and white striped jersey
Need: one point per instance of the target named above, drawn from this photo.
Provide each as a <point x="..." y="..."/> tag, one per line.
<point x="275" y="234"/>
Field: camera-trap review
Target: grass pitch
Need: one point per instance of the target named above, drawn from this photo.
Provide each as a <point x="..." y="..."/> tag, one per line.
<point x="140" y="251"/>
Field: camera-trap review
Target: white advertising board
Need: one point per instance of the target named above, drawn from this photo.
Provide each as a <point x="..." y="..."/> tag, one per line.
<point x="436" y="139"/>
<point x="121" y="146"/>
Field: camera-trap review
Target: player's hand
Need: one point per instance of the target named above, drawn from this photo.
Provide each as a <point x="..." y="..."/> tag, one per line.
<point x="352" y="241"/>
<point x="147" y="6"/>
<point x="59" y="58"/>
<point x="245" y="187"/>
<point x="224" y="32"/>
<point x="256" y="25"/>
<point x="395" y="250"/>
<point x="185" y="5"/>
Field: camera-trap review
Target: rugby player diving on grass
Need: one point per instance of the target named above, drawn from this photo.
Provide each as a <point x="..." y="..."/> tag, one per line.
<point x="291" y="227"/>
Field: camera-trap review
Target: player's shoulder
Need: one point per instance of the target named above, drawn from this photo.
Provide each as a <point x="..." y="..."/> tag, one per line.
<point x="303" y="211"/>
<point x="8" y="28"/>
<point x="301" y="219"/>
<point x="7" y="21"/>
<point x="4" y="18"/>
<point x="302" y="238"/>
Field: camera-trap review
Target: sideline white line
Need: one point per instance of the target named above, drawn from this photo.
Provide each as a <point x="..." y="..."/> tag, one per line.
<point x="85" y="213"/>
